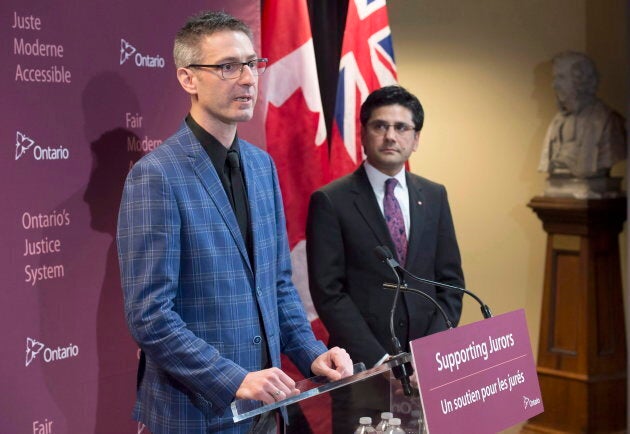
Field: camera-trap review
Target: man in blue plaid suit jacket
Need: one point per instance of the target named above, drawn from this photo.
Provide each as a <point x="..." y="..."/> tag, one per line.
<point x="211" y="311"/>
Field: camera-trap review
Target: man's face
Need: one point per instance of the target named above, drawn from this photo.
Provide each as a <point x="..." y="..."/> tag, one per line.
<point x="389" y="150"/>
<point x="219" y="100"/>
<point x="566" y="93"/>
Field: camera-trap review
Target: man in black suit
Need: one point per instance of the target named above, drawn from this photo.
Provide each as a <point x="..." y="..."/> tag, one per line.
<point x="349" y="217"/>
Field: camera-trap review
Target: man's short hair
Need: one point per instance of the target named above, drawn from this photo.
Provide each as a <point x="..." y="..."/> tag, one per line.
<point x="583" y="71"/>
<point x="390" y="95"/>
<point x="186" y="48"/>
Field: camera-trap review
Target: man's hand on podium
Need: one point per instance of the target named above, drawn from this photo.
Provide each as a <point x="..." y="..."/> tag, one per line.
<point x="334" y="364"/>
<point x="269" y="385"/>
<point x="272" y="385"/>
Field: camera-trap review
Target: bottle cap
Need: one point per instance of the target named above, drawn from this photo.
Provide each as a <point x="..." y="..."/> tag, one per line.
<point x="386" y="415"/>
<point x="394" y="421"/>
<point x="365" y="421"/>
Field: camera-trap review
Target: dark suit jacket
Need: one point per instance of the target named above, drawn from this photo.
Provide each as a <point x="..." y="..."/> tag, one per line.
<point x="344" y="226"/>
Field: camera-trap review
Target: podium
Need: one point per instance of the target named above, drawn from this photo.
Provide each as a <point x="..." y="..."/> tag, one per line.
<point x="477" y="378"/>
<point x="406" y="408"/>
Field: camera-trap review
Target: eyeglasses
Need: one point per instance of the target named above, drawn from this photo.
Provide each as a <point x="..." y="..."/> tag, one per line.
<point x="235" y="69"/>
<point x="380" y="128"/>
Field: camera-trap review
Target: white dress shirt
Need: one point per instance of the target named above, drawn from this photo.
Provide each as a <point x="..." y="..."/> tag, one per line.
<point x="377" y="181"/>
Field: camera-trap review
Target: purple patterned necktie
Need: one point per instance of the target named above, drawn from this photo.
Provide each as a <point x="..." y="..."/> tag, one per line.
<point x="395" y="221"/>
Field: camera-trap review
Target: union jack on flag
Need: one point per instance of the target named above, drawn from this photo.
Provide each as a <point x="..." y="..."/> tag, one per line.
<point x="367" y="64"/>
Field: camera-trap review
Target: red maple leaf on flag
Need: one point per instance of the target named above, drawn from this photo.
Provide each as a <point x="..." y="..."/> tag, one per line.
<point x="298" y="160"/>
<point x="296" y="139"/>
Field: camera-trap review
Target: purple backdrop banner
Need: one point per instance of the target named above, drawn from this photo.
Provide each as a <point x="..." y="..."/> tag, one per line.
<point x="88" y="87"/>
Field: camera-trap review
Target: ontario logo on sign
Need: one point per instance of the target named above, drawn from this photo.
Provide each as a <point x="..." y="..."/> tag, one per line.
<point x="24" y="144"/>
<point x="50" y="355"/>
<point x="127" y="51"/>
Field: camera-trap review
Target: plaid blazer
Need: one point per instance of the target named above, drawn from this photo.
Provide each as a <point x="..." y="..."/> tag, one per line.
<point x="191" y="294"/>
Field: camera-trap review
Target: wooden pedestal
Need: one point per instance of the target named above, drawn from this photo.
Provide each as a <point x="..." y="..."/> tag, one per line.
<point x="582" y="347"/>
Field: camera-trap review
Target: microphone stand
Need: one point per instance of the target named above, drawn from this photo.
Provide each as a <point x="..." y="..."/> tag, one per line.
<point x="403" y="287"/>
<point x="485" y="310"/>
<point x="403" y="371"/>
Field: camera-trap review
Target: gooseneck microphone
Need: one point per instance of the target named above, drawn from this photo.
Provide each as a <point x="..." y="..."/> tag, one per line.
<point x="384" y="254"/>
<point x="400" y="271"/>
<point x="404" y="371"/>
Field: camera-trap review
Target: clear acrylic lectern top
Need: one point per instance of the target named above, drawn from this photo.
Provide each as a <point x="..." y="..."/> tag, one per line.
<point x="243" y="409"/>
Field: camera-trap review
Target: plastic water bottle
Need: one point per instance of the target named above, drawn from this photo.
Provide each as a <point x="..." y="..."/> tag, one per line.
<point x="365" y="426"/>
<point x="394" y="427"/>
<point x="422" y="427"/>
<point x="383" y="424"/>
<point x="416" y="423"/>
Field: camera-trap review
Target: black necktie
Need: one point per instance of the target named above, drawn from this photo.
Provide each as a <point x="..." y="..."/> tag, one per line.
<point x="239" y="195"/>
<point x="239" y="198"/>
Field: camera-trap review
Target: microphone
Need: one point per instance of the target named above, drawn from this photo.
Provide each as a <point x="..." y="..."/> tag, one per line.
<point x="403" y="371"/>
<point x="384" y="254"/>
<point x="485" y="310"/>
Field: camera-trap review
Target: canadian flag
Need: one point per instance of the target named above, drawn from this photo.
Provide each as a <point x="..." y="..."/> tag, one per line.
<point x="296" y="139"/>
<point x="367" y="64"/>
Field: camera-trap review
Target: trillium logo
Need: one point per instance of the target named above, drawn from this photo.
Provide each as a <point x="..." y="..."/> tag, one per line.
<point x="22" y="144"/>
<point x="126" y="51"/>
<point x="528" y="402"/>
<point x="140" y="60"/>
<point x="33" y="348"/>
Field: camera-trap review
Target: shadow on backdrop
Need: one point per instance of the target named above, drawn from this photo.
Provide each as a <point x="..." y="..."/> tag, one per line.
<point x="106" y="99"/>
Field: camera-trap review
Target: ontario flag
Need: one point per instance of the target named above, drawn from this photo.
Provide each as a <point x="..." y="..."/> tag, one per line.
<point x="296" y="139"/>
<point x="367" y="64"/>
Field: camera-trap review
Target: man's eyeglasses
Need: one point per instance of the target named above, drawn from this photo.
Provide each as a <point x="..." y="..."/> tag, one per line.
<point x="380" y="128"/>
<point x="235" y="69"/>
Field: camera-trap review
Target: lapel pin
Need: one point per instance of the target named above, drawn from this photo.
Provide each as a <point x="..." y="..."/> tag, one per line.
<point x="419" y="202"/>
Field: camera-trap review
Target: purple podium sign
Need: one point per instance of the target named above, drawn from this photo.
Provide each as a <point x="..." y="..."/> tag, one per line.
<point x="478" y="378"/>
